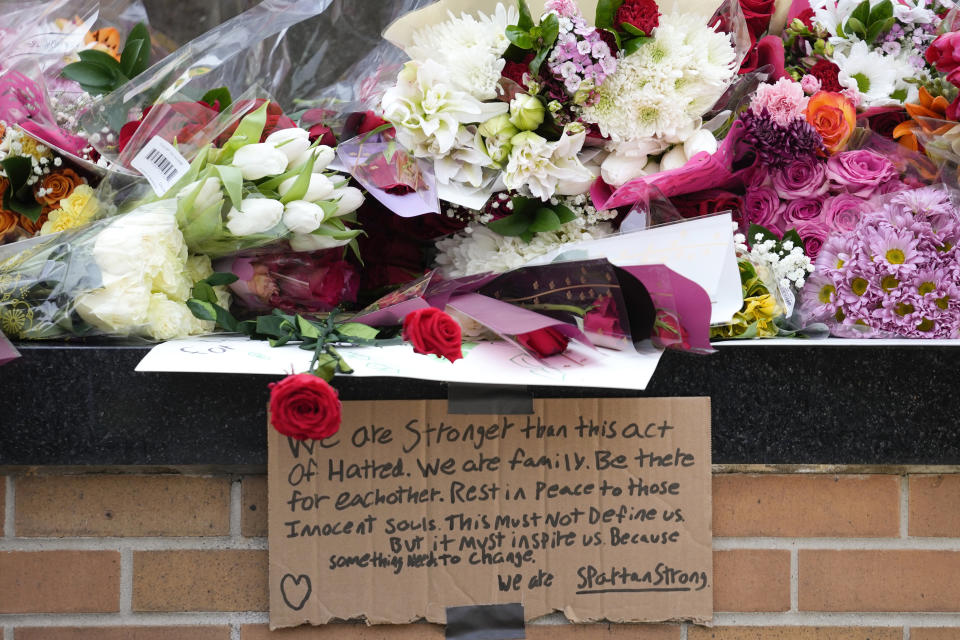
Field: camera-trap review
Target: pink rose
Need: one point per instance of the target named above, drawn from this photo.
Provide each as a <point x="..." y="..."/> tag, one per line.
<point x="805" y="178"/>
<point x="841" y="212"/>
<point x="761" y="206"/>
<point x="860" y="172"/>
<point x="802" y="211"/>
<point x="814" y="235"/>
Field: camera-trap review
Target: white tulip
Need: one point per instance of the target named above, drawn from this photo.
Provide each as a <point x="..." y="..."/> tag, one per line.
<point x="210" y="193"/>
<point x="259" y="160"/>
<point x="255" y="215"/>
<point x="618" y="170"/>
<point x="324" y="156"/>
<point x="701" y="140"/>
<point x="301" y="216"/>
<point x="321" y="188"/>
<point x="350" y="200"/>
<point x="292" y="142"/>
<point x="673" y="159"/>
<point x="314" y="242"/>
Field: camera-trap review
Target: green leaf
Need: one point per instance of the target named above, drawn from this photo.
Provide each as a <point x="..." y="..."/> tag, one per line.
<point x="232" y="179"/>
<point x="325" y="367"/>
<point x="202" y="309"/>
<point x="220" y="279"/>
<point x="138" y="32"/>
<point x="874" y="31"/>
<point x="357" y="330"/>
<point x="247" y="132"/>
<point x="307" y="328"/>
<point x="130" y="56"/>
<point x="862" y="13"/>
<point x="793" y="237"/>
<point x="100" y="58"/>
<point x="881" y="12"/>
<point x="550" y="29"/>
<point x="94" y="78"/>
<point x="519" y="37"/>
<point x="538" y="60"/>
<point x="220" y="95"/>
<point x="302" y="183"/>
<point x="766" y="234"/>
<point x="526" y="20"/>
<point x="564" y="213"/>
<point x="616" y="37"/>
<point x="512" y="225"/>
<point x="225" y="319"/>
<point x="855" y="26"/>
<point x="545" y="220"/>
<point x="606" y="11"/>
<point x="632" y="30"/>
<point x="633" y="45"/>
<point x="18" y="197"/>
<point x="271" y="325"/>
<point x="203" y="291"/>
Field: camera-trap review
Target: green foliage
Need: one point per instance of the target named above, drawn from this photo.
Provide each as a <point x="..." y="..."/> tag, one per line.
<point x="99" y="73"/>
<point x="19" y="195"/>
<point x="869" y="23"/>
<point x="531" y="216"/>
<point x="527" y="36"/>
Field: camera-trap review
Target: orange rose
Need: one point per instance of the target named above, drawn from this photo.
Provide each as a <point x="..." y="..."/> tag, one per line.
<point x="8" y="222"/>
<point x="834" y="117"/>
<point x="56" y="186"/>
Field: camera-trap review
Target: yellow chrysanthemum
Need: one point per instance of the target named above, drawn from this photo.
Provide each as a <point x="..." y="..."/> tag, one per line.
<point x="75" y="210"/>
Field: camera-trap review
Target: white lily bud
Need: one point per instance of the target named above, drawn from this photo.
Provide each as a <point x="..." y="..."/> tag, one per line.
<point x="292" y="142"/>
<point x="321" y="188"/>
<point x="350" y="200"/>
<point x="301" y="216"/>
<point x="701" y="140"/>
<point x="673" y="159"/>
<point x="314" y="242"/>
<point x="255" y="215"/>
<point x="259" y="160"/>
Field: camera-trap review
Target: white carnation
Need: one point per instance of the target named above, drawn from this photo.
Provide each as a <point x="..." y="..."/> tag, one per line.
<point x="537" y="166"/>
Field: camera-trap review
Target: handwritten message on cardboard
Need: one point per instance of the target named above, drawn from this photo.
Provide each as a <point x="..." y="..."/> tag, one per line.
<point x="598" y="508"/>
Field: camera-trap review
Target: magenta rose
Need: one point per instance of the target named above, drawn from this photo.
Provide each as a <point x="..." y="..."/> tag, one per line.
<point x="944" y="54"/>
<point x="761" y="206"/>
<point x="805" y="178"/>
<point x="859" y="173"/>
<point x="802" y="211"/>
<point x="841" y="212"/>
<point x="814" y="235"/>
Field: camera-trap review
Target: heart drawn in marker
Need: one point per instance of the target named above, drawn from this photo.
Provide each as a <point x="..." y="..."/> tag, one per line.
<point x="295" y="590"/>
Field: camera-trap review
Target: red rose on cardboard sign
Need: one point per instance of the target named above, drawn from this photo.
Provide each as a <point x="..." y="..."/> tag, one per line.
<point x="544" y="342"/>
<point x="433" y="332"/>
<point x="304" y="407"/>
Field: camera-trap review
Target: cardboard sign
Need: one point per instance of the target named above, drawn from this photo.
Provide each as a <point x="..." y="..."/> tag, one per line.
<point x="599" y="508"/>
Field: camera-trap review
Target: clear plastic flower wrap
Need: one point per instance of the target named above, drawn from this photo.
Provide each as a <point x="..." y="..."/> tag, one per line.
<point x="127" y="276"/>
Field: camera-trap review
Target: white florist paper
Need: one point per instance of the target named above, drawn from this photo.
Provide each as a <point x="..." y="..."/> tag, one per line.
<point x="700" y="249"/>
<point x="486" y="363"/>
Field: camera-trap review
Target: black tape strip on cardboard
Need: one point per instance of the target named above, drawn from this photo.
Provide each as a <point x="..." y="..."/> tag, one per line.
<point x="488" y="399"/>
<point x="486" y="622"/>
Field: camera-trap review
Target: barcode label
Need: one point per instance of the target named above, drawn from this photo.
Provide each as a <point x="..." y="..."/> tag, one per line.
<point x="160" y="164"/>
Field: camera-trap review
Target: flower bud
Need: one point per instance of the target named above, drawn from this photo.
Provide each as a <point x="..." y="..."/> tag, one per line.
<point x="292" y="142"/>
<point x="255" y="215"/>
<point x="673" y="159"/>
<point x="498" y="128"/>
<point x="701" y="140"/>
<point x="350" y="200"/>
<point x="617" y="170"/>
<point x="208" y="194"/>
<point x="320" y="187"/>
<point x="259" y="160"/>
<point x="314" y="242"/>
<point x="526" y="112"/>
<point x="301" y="216"/>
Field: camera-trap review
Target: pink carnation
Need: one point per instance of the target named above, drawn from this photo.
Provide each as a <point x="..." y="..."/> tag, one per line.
<point x="784" y="101"/>
<point x="810" y="84"/>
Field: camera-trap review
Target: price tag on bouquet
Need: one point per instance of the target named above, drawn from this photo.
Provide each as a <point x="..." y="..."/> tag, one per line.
<point x="160" y="164"/>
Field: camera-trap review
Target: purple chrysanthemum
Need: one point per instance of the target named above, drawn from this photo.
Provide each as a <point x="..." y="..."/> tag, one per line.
<point x="776" y="145"/>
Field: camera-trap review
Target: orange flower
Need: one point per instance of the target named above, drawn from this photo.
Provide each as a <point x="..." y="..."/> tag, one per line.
<point x="8" y="222"/>
<point x="924" y="114"/>
<point x="834" y="118"/>
<point x="32" y="227"/>
<point x="56" y="186"/>
<point x="106" y="40"/>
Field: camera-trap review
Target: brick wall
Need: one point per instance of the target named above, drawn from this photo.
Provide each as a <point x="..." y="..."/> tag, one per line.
<point x="797" y="556"/>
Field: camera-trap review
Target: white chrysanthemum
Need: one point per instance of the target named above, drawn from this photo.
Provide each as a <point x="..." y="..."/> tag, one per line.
<point x="662" y="89"/>
<point x="869" y="72"/>
<point x="913" y="11"/>
<point x="470" y="48"/>
<point x="537" y="166"/>
<point x="483" y="251"/>
<point x="428" y="111"/>
<point x="464" y="162"/>
<point x="829" y="13"/>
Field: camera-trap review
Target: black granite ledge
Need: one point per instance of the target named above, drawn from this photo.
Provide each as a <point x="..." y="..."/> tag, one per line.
<point x="859" y="405"/>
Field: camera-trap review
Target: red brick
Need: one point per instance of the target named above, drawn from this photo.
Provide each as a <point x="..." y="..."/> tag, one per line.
<point x="934" y="633"/>
<point x="795" y="633"/>
<point x="807" y="506"/>
<point x="935" y="506"/>
<point x="59" y="581"/>
<point x="254" y="521"/>
<point x="435" y="632"/>
<point x="123" y="633"/>
<point x="234" y="580"/>
<point x="751" y="580"/>
<point x="881" y="580"/>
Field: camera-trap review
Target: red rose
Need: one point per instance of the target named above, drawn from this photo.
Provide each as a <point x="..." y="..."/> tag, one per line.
<point x="431" y="331"/>
<point x="544" y="342"/>
<point x="827" y="73"/>
<point x="883" y="120"/>
<point x="323" y="133"/>
<point x="668" y="332"/>
<point x="642" y="14"/>
<point x="603" y="318"/>
<point x="361" y="122"/>
<point x="704" y="203"/>
<point x="806" y="17"/>
<point x="304" y="406"/>
<point x="767" y="51"/>
<point x="757" y="13"/>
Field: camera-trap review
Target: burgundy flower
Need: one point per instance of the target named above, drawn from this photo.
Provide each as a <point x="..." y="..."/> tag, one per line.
<point x="828" y="74"/>
<point x="641" y="14"/>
